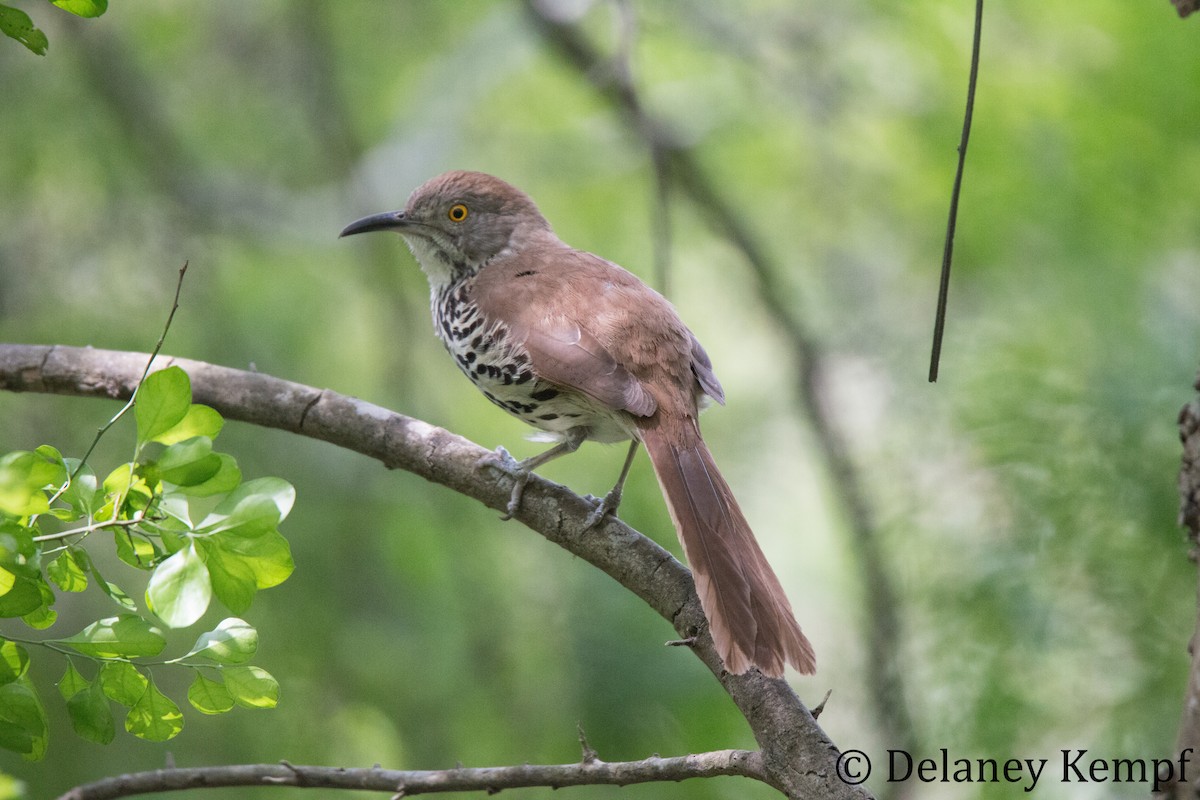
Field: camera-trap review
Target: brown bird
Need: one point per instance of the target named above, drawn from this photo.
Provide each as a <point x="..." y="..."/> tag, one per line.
<point x="581" y="349"/>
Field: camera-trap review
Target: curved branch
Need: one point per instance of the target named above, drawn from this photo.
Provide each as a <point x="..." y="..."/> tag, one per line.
<point x="798" y="758"/>
<point x="404" y="783"/>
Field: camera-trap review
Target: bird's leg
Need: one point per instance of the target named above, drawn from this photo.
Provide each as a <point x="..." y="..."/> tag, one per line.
<point x="613" y="499"/>
<point x="520" y="471"/>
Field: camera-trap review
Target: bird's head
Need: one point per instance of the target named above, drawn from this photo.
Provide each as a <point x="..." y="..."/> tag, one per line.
<point x="459" y="221"/>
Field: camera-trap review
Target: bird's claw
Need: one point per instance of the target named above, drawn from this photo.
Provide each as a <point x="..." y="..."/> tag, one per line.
<point x="503" y="461"/>
<point x="604" y="507"/>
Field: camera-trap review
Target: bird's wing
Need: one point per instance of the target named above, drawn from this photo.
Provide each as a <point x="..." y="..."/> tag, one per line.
<point x="567" y="355"/>
<point x="554" y="303"/>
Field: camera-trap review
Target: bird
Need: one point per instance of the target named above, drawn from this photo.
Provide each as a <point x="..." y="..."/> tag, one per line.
<point x="583" y="350"/>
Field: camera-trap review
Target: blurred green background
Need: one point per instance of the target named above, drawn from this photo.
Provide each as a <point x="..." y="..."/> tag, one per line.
<point x="1023" y="507"/>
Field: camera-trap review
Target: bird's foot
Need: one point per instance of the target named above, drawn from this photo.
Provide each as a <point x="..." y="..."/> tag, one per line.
<point x="604" y="507"/>
<point x="503" y="461"/>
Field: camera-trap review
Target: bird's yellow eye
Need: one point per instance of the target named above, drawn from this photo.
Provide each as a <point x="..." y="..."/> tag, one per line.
<point x="457" y="212"/>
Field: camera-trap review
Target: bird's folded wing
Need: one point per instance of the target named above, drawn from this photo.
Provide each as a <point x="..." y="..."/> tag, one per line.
<point x="569" y="356"/>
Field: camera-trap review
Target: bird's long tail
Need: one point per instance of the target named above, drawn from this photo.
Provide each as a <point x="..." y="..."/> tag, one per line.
<point x="748" y="613"/>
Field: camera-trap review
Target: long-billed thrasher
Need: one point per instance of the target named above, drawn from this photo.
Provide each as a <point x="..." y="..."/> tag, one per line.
<point x="580" y="348"/>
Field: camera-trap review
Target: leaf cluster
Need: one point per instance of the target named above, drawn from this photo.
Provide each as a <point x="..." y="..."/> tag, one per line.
<point x="178" y="511"/>
<point x="16" y="24"/>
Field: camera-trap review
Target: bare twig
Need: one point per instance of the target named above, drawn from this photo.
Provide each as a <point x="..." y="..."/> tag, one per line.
<point x="408" y="783"/>
<point x="84" y="530"/>
<point x="589" y="753"/>
<point x="162" y="338"/>
<point x="885" y="630"/>
<point x="819" y="708"/>
<point x="797" y="757"/>
<point x="939" y="321"/>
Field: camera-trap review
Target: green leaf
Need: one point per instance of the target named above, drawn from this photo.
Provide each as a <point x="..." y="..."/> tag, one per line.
<point x="17" y="547"/>
<point x="154" y="716"/>
<point x="180" y="589"/>
<point x="171" y="541"/>
<point x="162" y="402"/>
<point x="225" y="479"/>
<point x="189" y="462"/>
<point x="17" y="25"/>
<point x="209" y="696"/>
<point x="51" y="454"/>
<point x="90" y="715"/>
<point x="233" y="641"/>
<point x="126" y="484"/>
<point x="83" y="493"/>
<point x="66" y="572"/>
<point x="119" y="480"/>
<point x="118" y="595"/>
<point x="71" y="683"/>
<point x="126" y="636"/>
<point x="22" y="720"/>
<point x="252" y="502"/>
<point x="114" y="592"/>
<point x="20" y="593"/>
<point x="14" y="662"/>
<point x="233" y="580"/>
<point x="268" y="557"/>
<point x="178" y="511"/>
<point x="83" y="8"/>
<point x="14" y="737"/>
<point x="122" y="682"/>
<point x="200" y="420"/>
<point x="43" y="616"/>
<point x="252" y="687"/>
<point x="20" y="571"/>
<point x="248" y="554"/>
<point x="135" y="550"/>
<point x="40" y="618"/>
<point x="24" y="475"/>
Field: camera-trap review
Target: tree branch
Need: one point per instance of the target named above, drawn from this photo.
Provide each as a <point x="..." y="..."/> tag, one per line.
<point x="797" y="757"/>
<point x="406" y="783"/>
<point x="1189" y="518"/>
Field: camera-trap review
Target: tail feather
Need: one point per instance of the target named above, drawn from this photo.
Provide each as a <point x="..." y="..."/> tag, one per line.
<point x="748" y="613"/>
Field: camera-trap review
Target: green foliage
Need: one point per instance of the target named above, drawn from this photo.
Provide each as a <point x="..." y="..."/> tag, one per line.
<point x="16" y="24"/>
<point x="83" y="8"/>
<point x="179" y="512"/>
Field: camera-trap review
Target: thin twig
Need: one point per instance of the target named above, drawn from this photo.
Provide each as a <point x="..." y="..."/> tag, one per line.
<point x="939" y="322"/>
<point x="588" y="753"/>
<point x="133" y="397"/>
<point x="407" y="783"/>
<point x="819" y="708"/>
<point x="91" y="528"/>
<point x="662" y="219"/>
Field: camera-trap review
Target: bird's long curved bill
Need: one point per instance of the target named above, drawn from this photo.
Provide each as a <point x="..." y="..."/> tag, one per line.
<point x="387" y="221"/>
